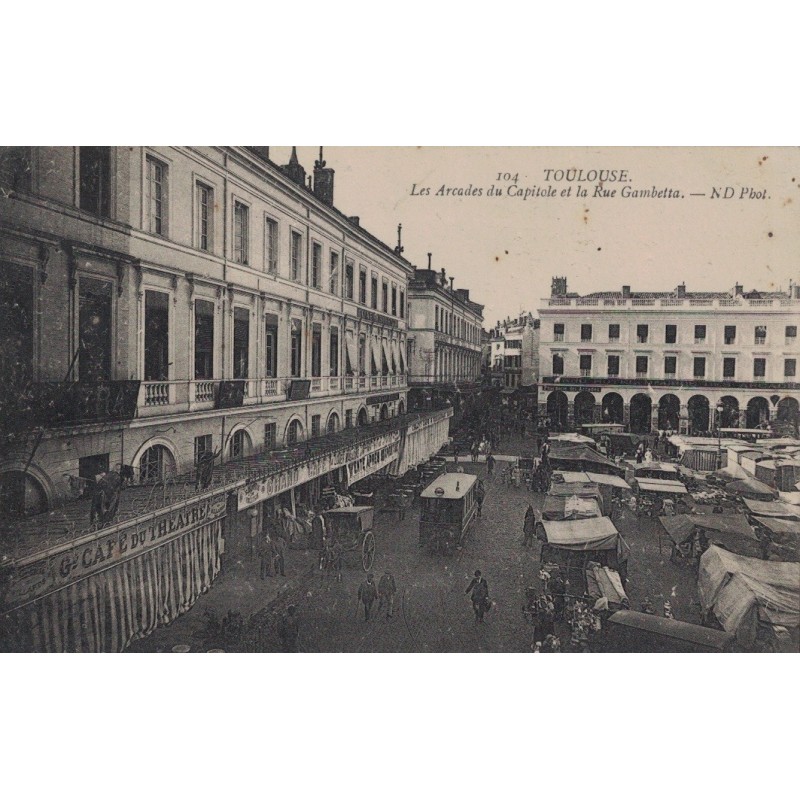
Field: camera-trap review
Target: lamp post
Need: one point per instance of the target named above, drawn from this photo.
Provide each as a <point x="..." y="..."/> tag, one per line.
<point x="720" y="409"/>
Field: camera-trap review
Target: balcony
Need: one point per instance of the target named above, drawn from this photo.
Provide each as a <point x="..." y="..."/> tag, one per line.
<point x="586" y="373"/>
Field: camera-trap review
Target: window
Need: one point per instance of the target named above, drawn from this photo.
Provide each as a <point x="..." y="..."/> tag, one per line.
<point x="586" y="333"/>
<point x="156" y="197"/>
<point x="436" y="317"/>
<point x="240" y="444"/>
<point x="362" y="286"/>
<point x="333" y="357"/>
<point x="728" y="367"/>
<point x="241" y="233"/>
<point x="94" y="324"/>
<point x="349" y="277"/>
<point x="642" y="332"/>
<point x="270" y="436"/>
<point x="385" y="298"/>
<point x="730" y="334"/>
<point x="333" y="423"/>
<point x="374" y="285"/>
<point x="613" y="333"/>
<point x="761" y="334"/>
<point x="759" y="368"/>
<point x="641" y="366"/>
<point x="202" y="444"/>
<point x="203" y="340"/>
<point x="156" y="336"/>
<point x="670" y="366"/>
<point x="294" y="433"/>
<point x="333" y="278"/>
<point x="271" y="346"/>
<point x="585" y="365"/>
<point x="671" y="334"/>
<point x="205" y="214"/>
<point x="241" y="343"/>
<point x="402" y="304"/>
<point x="271" y="244"/>
<point x="316" y="265"/>
<point x="558" y="364"/>
<point x="394" y="301"/>
<point x="155" y="464"/>
<point x="16" y="326"/>
<point x="558" y="332"/>
<point x="316" y="425"/>
<point x="15" y="169"/>
<point x="316" y="351"/>
<point x="94" y="189"/>
<point x="699" y="334"/>
<point x="297" y="348"/>
<point x="699" y="369"/>
<point x="791" y="334"/>
<point x="613" y="366"/>
<point x="296" y="256"/>
<point x="348" y="418"/>
<point x="790" y="368"/>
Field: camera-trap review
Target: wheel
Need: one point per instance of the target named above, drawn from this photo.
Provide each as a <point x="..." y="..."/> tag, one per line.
<point x="368" y="551"/>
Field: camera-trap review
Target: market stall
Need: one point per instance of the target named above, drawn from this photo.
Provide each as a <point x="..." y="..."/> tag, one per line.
<point x="583" y="459"/>
<point x="784" y="537"/>
<point x="751" y="489"/>
<point x="691" y="534"/>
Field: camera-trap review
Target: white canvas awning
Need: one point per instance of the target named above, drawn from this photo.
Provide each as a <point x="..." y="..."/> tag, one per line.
<point x="352" y="353"/>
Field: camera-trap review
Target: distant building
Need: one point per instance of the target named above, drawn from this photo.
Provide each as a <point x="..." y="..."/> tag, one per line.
<point x="514" y="352"/>
<point x="690" y="361"/>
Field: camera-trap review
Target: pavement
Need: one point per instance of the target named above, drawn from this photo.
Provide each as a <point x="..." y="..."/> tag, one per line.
<point x="432" y="612"/>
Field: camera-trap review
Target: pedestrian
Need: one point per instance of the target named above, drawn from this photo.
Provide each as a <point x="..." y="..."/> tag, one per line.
<point x="367" y="594"/>
<point x="278" y="550"/>
<point x="289" y="630"/>
<point x="546" y="454"/>
<point x="455" y="453"/>
<point x="528" y="526"/>
<point x="387" y="589"/>
<point x="490" y="462"/>
<point x="475" y="449"/>
<point x="478" y="590"/>
<point x="265" y="553"/>
<point x="480" y="496"/>
<point x="640" y="453"/>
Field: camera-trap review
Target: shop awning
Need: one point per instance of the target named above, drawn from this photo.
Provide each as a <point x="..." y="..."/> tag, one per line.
<point x="351" y="353"/>
<point x="402" y="357"/>
<point x="387" y="358"/>
<point x="594" y="477"/>
<point x="376" y="356"/>
<point x="582" y="534"/>
<point x="662" y="487"/>
<point x="395" y="356"/>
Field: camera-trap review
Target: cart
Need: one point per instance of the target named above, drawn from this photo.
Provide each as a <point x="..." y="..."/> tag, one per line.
<point x="351" y="529"/>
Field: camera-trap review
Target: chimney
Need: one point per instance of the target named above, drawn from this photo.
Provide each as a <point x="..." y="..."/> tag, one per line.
<point x="626" y="292"/>
<point x="680" y="290"/>
<point x="558" y="287"/>
<point x="294" y="169"/>
<point x="354" y="221"/>
<point x="263" y="152"/>
<point x="323" y="181"/>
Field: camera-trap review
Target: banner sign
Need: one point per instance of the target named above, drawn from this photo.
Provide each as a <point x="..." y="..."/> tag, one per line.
<point x="376" y="460"/>
<point x="54" y="571"/>
<point x="264" y="488"/>
<point x="375" y="318"/>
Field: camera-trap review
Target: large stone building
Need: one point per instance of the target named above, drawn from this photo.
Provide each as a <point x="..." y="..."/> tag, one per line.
<point x="160" y="305"/>
<point x="691" y="361"/>
<point x="515" y="352"/>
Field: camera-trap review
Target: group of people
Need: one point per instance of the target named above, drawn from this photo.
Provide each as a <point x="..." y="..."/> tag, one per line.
<point x="383" y="592"/>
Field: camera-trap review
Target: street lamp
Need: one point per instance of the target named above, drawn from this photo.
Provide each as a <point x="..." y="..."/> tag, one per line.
<point x="720" y="409"/>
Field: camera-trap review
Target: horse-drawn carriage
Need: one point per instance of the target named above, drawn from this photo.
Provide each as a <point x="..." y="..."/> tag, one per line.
<point x="349" y="530"/>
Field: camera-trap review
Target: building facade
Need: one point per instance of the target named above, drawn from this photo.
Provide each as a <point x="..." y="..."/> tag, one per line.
<point x="515" y="352"/>
<point x="183" y="300"/>
<point x="689" y="361"/>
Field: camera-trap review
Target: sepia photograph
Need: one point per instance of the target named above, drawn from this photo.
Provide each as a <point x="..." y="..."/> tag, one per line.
<point x="399" y="399"/>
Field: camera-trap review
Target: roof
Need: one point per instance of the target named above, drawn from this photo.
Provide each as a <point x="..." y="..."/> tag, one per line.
<point x="773" y="508"/>
<point x="571" y="507"/>
<point x="593" y="477"/>
<point x="661" y="486"/>
<point x="729" y="530"/>
<point x="585" y="458"/>
<point x="656" y="467"/>
<point x="453" y="484"/>
<point x="751" y="488"/>
<point x="672" y="627"/>
<point x="582" y="534"/>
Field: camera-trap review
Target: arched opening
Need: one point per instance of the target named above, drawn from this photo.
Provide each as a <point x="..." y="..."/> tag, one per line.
<point x="362" y="417"/>
<point x="294" y="433"/>
<point x="699" y="415"/>
<point x="557" y="405"/>
<point x="21" y="495"/>
<point x="729" y="416"/>
<point x="384" y="412"/>
<point x="757" y="412"/>
<point x="613" y="409"/>
<point x="669" y="413"/>
<point x="333" y="422"/>
<point x="241" y="444"/>
<point x="156" y="464"/>
<point x="401" y="408"/>
<point x="789" y="413"/>
<point x="641" y="410"/>
<point x="584" y="408"/>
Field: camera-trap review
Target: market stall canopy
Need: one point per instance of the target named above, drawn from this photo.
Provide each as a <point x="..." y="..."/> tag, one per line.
<point x="605" y="582"/>
<point x="582" y="534"/>
<point x="571" y="507"/>
<point x="657" y="471"/>
<point x="593" y="477"/>
<point x="559" y="440"/>
<point x="583" y="459"/>
<point x="660" y="486"/>
<point x="744" y="593"/>
<point x="752" y="489"/>
<point x="773" y="508"/>
<point x="785" y="536"/>
<point x="730" y="531"/>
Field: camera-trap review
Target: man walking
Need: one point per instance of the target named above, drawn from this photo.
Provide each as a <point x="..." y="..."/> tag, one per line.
<point x="387" y="589"/>
<point x="367" y="594"/>
<point x="278" y="548"/>
<point x="528" y="526"/>
<point x="480" y="496"/>
<point x="490" y="462"/>
<point x="478" y="590"/>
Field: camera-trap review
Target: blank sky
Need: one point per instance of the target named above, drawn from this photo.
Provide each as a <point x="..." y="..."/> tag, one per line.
<point x="506" y="249"/>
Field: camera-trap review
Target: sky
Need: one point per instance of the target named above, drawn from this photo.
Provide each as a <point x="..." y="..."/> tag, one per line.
<point x="506" y="248"/>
